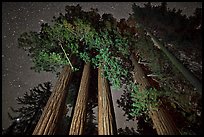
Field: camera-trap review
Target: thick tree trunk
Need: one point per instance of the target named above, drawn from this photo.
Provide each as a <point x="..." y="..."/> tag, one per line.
<point x="52" y="114"/>
<point x="79" y="116"/>
<point x="187" y="74"/>
<point x="106" y="116"/>
<point x="162" y="121"/>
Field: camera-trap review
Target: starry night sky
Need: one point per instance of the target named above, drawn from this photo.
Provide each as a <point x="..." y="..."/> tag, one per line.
<point x="19" y="17"/>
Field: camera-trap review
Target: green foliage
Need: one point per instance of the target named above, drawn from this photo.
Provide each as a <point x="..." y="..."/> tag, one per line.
<point x="48" y="61"/>
<point x="85" y="57"/>
<point x="171" y="28"/>
<point x="143" y="100"/>
<point x="102" y="45"/>
<point x="157" y="62"/>
<point x="121" y="44"/>
<point x="54" y="45"/>
<point x="83" y="29"/>
<point x="152" y="55"/>
<point x="109" y="60"/>
<point x="74" y="48"/>
<point x="114" y="71"/>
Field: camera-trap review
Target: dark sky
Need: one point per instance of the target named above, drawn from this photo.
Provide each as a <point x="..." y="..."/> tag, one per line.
<point x="19" y="17"/>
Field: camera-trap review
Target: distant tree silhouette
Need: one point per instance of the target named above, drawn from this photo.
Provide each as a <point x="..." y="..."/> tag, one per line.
<point x="145" y="126"/>
<point x="125" y="102"/>
<point x="28" y="115"/>
<point x="127" y="131"/>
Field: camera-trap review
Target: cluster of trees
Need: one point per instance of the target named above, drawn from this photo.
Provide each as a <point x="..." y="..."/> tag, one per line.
<point x="75" y="37"/>
<point x="80" y="35"/>
<point x="175" y="85"/>
<point x="102" y="42"/>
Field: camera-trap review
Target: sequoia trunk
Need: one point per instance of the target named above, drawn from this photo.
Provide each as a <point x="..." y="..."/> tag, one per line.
<point x="162" y="121"/>
<point x="52" y="114"/>
<point x="106" y="116"/>
<point x="79" y="116"/>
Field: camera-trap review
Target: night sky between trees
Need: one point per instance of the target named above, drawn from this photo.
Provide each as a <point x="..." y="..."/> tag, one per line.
<point x="19" y="17"/>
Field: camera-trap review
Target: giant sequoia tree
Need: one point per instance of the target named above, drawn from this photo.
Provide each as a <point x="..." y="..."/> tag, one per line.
<point x="171" y="27"/>
<point x="166" y="70"/>
<point x="72" y="38"/>
<point x="85" y="37"/>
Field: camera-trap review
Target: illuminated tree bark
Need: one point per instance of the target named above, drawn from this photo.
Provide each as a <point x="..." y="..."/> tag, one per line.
<point x="52" y="114"/>
<point x="162" y="121"/>
<point x="106" y="116"/>
<point x="79" y="116"/>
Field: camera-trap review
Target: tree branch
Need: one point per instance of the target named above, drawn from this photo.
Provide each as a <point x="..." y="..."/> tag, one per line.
<point x="66" y="56"/>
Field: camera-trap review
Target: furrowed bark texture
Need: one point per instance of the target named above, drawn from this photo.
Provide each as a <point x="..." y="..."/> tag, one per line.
<point x="53" y="111"/>
<point x="106" y="116"/>
<point x="162" y="121"/>
<point x="79" y="116"/>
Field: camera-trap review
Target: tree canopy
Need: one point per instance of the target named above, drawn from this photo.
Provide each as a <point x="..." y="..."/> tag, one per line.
<point x="76" y="35"/>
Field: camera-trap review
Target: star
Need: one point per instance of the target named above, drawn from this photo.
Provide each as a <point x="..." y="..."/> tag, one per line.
<point x="18" y="120"/>
<point x="27" y="16"/>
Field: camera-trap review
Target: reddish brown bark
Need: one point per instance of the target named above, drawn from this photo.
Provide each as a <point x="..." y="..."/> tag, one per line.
<point x="52" y="114"/>
<point x="162" y="121"/>
<point x="79" y="116"/>
<point x="106" y="116"/>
